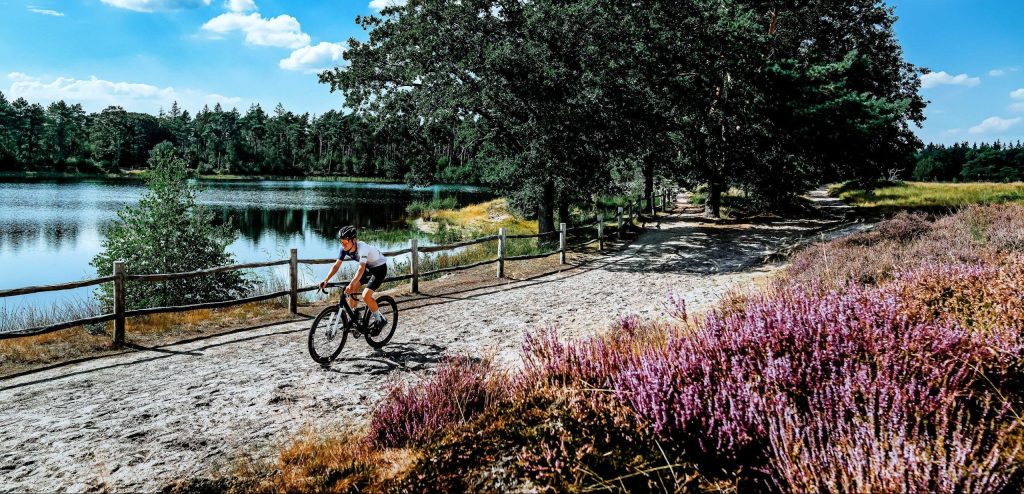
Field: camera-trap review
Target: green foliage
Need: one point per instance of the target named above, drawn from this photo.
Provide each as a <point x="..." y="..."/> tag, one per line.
<point x="995" y="162"/>
<point x="769" y="97"/>
<point x="427" y="209"/>
<point x="446" y="233"/>
<point x="63" y="138"/>
<point x="169" y="232"/>
<point x="511" y="76"/>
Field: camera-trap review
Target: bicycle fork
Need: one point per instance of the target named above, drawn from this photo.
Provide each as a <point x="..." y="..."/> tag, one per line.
<point x="334" y="324"/>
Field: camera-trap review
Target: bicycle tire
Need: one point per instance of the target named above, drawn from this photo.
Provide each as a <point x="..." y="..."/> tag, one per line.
<point x="328" y="355"/>
<point x="389" y="309"/>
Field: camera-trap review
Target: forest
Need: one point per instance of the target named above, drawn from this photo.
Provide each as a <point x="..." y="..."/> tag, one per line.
<point x="62" y="137"/>
<point x="965" y="162"/>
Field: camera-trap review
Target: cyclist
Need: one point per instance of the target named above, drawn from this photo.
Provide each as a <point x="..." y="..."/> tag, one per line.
<point x="373" y="268"/>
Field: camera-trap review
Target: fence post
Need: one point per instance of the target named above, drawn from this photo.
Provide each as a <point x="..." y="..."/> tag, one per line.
<point x="664" y="201"/>
<point x="618" y="223"/>
<point x="293" y="278"/>
<point x="654" y="203"/>
<point x="600" y="232"/>
<point x="415" y="262"/>
<point x="501" y="253"/>
<point x="561" y="243"/>
<point x="118" y="303"/>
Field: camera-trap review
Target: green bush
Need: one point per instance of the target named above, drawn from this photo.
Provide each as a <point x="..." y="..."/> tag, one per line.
<point x="169" y="232"/>
<point x="426" y="210"/>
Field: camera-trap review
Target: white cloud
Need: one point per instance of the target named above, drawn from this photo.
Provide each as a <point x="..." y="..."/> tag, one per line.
<point x="155" y="5"/>
<point x="1017" y="107"/>
<point x="1018" y="94"/>
<point x="311" y="59"/>
<point x="241" y="6"/>
<point x="46" y="12"/>
<point x="96" y="94"/>
<point x="995" y="124"/>
<point x="1002" y="72"/>
<point x="282" y="31"/>
<point x="380" y="4"/>
<point x="942" y="78"/>
<point x="951" y="132"/>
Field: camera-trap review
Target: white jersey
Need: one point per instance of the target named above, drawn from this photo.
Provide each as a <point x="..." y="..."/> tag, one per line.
<point x="365" y="254"/>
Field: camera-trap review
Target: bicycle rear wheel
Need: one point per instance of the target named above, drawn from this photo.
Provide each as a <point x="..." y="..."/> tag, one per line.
<point x="381" y="336"/>
<point x="327" y="335"/>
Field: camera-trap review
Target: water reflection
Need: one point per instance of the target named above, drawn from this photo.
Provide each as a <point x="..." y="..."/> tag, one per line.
<point x="59" y="212"/>
<point x="49" y="231"/>
<point x="253" y="222"/>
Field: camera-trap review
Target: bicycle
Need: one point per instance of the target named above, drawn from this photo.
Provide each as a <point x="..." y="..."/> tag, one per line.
<point x="330" y="329"/>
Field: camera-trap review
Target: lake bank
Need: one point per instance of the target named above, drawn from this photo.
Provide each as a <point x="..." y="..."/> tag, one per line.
<point x="140" y="175"/>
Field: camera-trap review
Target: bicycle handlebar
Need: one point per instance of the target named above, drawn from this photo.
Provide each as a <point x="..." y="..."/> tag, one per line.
<point x="343" y="293"/>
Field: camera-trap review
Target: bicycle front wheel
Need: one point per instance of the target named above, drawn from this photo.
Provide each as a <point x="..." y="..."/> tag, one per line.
<point x="379" y="337"/>
<point x="327" y="335"/>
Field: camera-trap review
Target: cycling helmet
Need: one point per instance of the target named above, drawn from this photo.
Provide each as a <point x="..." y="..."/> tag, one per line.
<point x="348" y="232"/>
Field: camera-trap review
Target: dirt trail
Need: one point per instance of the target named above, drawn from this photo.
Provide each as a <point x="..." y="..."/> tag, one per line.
<point x="137" y="421"/>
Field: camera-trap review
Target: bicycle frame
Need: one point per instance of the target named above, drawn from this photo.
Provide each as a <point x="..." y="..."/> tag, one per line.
<point x="342" y="305"/>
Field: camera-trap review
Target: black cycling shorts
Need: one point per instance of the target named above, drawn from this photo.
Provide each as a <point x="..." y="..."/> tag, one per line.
<point x="373" y="277"/>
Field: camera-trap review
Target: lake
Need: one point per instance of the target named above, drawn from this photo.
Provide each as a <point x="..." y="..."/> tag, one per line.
<point x="50" y="230"/>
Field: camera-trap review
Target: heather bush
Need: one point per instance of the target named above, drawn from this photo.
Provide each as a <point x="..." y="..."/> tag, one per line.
<point x="590" y="362"/>
<point x="852" y="377"/>
<point x="418" y="413"/>
<point x="975" y="234"/>
<point x="904" y="227"/>
<point x="879" y="443"/>
<point x="893" y="361"/>
<point x="554" y="439"/>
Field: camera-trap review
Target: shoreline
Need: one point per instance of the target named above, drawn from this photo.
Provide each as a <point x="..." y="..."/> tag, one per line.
<point x="140" y="176"/>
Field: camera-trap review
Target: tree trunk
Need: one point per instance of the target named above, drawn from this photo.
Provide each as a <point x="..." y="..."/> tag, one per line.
<point x="545" y="211"/>
<point x="649" y="183"/>
<point x="563" y="211"/>
<point x="713" y="204"/>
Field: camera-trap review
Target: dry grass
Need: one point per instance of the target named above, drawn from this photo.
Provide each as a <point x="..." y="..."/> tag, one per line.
<point x="932" y="196"/>
<point x="487" y="218"/>
<point x="313" y="461"/>
<point x="20" y="354"/>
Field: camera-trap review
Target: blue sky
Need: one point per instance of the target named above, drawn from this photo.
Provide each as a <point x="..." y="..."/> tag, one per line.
<point x="975" y="49"/>
<point x="142" y="54"/>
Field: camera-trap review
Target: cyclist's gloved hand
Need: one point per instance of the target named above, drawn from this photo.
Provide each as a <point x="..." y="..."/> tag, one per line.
<point x="323" y="285"/>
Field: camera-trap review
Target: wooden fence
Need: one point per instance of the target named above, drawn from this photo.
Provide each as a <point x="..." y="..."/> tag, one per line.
<point x="662" y="201"/>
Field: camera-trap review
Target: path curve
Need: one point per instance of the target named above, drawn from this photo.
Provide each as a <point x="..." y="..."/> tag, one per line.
<point x="138" y="421"/>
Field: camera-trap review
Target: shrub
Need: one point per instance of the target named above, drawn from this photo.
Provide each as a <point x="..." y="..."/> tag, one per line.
<point x="975" y="234"/>
<point x="169" y="232"/>
<point x="427" y="210"/>
<point x="411" y="414"/>
<point x="762" y="390"/>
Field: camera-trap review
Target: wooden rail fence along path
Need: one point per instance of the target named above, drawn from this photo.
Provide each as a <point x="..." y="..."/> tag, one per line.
<point x="624" y="215"/>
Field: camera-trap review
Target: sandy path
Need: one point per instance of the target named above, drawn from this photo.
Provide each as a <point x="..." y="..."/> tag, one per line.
<point x="137" y="421"/>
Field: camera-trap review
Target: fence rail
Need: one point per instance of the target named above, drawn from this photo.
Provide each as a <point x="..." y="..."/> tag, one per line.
<point x="626" y="213"/>
<point x="201" y="272"/>
<point x="51" y="288"/>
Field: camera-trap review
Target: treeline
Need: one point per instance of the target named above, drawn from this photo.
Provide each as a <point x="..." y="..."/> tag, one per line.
<point x="573" y="98"/>
<point x="63" y="137"/>
<point x="963" y="162"/>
